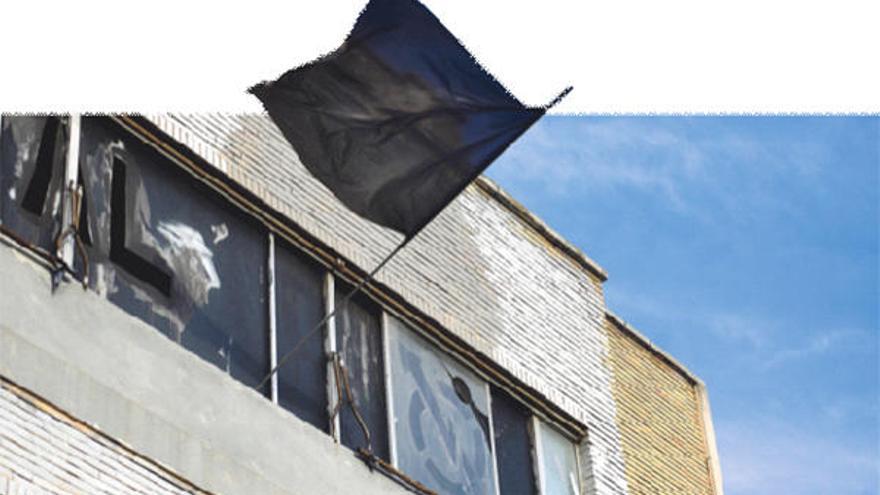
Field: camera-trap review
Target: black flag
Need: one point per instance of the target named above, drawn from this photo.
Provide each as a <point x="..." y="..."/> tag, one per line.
<point x="399" y="119"/>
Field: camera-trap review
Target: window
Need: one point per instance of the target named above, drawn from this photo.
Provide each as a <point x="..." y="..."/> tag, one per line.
<point x="440" y="417"/>
<point x="33" y="150"/>
<point x="169" y="251"/>
<point x="557" y="462"/>
<point x="359" y="344"/>
<point x="299" y="306"/>
<point x="511" y="423"/>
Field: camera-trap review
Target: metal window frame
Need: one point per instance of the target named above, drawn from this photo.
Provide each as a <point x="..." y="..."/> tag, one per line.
<point x="389" y="397"/>
<point x="273" y="318"/>
<point x="537" y="426"/>
<point x="492" y="437"/>
<point x="389" y="392"/>
<point x="539" y="453"/>
<point x="330" y="348"/>
<point x="71" y="181"/>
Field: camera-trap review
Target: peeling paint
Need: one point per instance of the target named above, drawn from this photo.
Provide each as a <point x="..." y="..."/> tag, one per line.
<point x="220" y="231"/>
<point x="21" y="139"/>
<point x="186" y="264"/>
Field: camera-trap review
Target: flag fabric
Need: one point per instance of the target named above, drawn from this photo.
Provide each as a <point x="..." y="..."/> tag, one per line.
<point x="399" y="119"/>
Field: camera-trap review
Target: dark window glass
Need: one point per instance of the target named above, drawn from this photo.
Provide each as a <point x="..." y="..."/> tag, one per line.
<point x="513" y="445"/>
<point x="359" y="342"/>
<point x="33" y="152"/>
<point x="302" y="381"/>
<point x="441" y="417"/>
<point x="168" y="250"/>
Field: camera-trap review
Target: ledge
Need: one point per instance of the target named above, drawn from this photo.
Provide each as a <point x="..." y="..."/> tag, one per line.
<point x="652" y="347"/>
<point x="126" y="380"/>
<point x="498" y="194"/>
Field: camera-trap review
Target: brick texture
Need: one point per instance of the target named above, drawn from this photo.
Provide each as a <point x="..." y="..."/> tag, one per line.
<point x="660" y="420"/>
<point x="44" y="452"/>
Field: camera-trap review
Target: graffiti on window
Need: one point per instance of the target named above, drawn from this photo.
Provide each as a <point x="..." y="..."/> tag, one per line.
<point x="33" y="150"/>
<point x="441" y="418"/>
<point x="166" y="250"/>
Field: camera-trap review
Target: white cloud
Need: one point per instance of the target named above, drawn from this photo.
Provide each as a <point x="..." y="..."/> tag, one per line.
<point x="689" y="173"/>
<point x="815" y="345"/>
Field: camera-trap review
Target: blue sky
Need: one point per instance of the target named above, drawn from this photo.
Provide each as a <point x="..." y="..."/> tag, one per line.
<point x="747" y="247"/>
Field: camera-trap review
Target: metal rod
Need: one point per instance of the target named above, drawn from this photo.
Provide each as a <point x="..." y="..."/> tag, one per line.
<point x="327" y="317"/>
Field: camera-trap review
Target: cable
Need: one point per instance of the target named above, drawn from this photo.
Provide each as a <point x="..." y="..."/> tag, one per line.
<point x="321" y="323"/>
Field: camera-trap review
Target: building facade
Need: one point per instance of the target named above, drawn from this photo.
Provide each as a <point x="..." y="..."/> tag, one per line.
<point x="155" y="268"/>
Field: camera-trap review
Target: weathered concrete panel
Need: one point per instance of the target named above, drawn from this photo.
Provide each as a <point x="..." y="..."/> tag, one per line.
<point x="115" y="372"/>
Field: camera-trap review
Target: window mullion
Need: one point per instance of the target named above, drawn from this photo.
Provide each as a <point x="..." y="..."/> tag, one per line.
<point x="492" y="438"/>
<point x="71" y="176"/>
<point x="389" y="393"/>
<point x="539" y="454"/>
<point x="273" y="324"/>
<point x="329" y="349"/>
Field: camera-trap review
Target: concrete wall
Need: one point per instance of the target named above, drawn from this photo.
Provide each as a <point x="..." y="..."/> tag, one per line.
<point x="129" y="382"/>
<point x="661" y="419"/>
<point x="481" y="270"/>
<point x="43" y="451"/>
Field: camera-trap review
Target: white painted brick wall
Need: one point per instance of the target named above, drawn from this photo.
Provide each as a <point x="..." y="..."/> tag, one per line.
<point x="477" y="268"/>
<point x="40" y="454"/>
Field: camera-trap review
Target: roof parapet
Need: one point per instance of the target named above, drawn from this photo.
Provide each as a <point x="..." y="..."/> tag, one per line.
<point x="496" y="192"/>
<point x="651" y="346"/>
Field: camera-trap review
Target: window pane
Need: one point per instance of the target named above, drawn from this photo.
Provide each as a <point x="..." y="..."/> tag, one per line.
<point x="168" y="250"/>
<point x="513" y="445"/>
<point x="302" y="381"/>
<point x="559" y="463"/>
<point x="34" y="150"/>
<point x="441" y="417"/>
<point x="359" y="341"/>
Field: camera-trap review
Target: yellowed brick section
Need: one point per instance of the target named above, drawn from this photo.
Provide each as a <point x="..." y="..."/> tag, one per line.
<point x="660" y="420"/>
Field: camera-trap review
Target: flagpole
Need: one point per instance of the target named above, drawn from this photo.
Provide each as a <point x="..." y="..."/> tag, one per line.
<point x="336" y="308"/>
<point x="373" y="273"/>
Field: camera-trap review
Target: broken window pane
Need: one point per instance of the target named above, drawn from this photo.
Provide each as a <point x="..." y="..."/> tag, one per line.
<point x="558" y="463"/>
<point x="34" y="151"/>
<point x="168" y="250"/>
<point x="513" y="445"/>
<point x="359" y="343"/>
<point x="299" y="290"/>
<point x="441" y="417"/>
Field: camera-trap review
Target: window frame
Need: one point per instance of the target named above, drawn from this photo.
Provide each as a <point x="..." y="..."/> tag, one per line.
<point x="536" y="427"/>
<point x="438" y="349"/>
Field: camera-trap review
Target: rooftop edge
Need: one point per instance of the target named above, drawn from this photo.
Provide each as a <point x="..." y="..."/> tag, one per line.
<point x="651" y="346"/>
<point x="532" y="220"/>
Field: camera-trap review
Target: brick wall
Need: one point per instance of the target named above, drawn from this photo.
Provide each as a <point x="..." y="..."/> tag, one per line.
<point x="44" y="451"/>
<point x="660" y="418"/>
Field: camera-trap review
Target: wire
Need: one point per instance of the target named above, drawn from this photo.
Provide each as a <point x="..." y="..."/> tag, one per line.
<point x="336" y="309"/>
